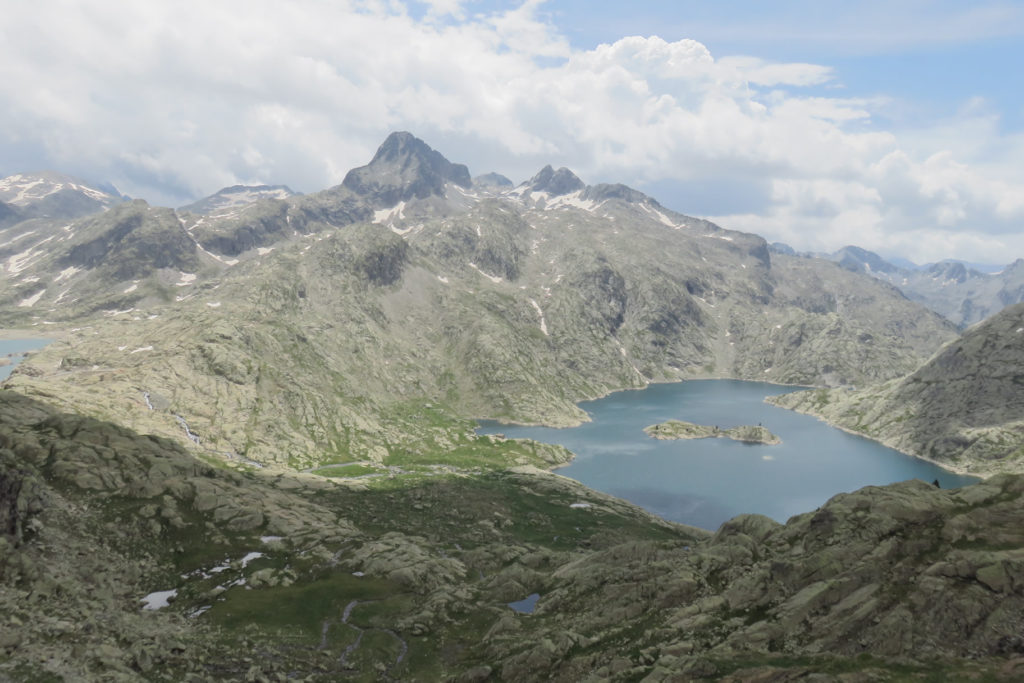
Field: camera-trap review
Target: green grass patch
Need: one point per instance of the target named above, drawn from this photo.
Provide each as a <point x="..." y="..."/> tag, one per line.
<point x="353" y="470"/>
<point x="300" y="609"/>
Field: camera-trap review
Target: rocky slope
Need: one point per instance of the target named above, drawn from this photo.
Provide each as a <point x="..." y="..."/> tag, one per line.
<point x="258" y="576"/>
<point x="316" y="329"/>
<point x="964" y="408"/>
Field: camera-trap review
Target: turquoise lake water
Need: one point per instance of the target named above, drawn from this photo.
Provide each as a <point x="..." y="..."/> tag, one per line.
<point x="704" y="482"/>
<point x="12" y="350"/>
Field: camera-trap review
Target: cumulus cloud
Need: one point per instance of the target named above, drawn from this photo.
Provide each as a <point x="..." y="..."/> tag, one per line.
<point x="174" y="100"/>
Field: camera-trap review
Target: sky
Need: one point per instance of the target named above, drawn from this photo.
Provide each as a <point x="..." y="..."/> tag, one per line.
<point x="897" y="126"/>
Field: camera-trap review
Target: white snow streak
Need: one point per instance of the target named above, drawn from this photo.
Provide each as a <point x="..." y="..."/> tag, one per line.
<point x="31" y="301"/>
<point x="495" y="280"/>
<point x="540" y="312"/>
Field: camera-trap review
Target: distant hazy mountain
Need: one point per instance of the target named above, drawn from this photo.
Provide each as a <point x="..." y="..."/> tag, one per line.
<point x="48" y="194"/>
<point x="953" y="289"/>
<point x="237" y="196"/>
<point x="492" y="180"/>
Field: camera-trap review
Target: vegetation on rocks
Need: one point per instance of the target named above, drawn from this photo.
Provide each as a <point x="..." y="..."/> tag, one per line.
<point x="285" y="575"/>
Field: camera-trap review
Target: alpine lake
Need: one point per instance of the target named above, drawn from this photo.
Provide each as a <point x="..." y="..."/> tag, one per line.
<point x="704" y="482"/>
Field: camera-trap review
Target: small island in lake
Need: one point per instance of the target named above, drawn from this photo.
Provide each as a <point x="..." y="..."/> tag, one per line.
<point x="677" y="429"/>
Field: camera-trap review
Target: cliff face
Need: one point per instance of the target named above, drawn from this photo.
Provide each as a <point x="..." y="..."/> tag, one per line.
<point x="963" y="408"/>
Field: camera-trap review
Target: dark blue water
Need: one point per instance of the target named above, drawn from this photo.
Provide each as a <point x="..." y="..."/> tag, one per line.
<point x="527" y="604"/>
<point x="704" y="482"/>
<point x="12" y="349"/>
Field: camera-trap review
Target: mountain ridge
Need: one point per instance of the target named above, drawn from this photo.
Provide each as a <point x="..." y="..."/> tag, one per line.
<point x="511" y="304"/>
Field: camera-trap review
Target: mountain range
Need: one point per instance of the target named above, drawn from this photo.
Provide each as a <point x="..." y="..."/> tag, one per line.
<point x="406" y="285"/>
<point x="249" y="452"/>
<point x="953" y="289"/>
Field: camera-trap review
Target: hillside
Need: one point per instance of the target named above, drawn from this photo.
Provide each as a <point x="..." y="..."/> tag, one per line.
<point x="261" y="576"/>
<point x="964" y="408"/>
<point x="367" y="322"/>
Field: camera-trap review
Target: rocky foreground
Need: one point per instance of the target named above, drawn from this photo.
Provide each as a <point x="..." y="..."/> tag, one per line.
<point x="678" y="429"/>
<point x="296" y="577"/>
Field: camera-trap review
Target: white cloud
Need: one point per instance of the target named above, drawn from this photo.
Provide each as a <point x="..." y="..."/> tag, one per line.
<point x="175" y="100"/>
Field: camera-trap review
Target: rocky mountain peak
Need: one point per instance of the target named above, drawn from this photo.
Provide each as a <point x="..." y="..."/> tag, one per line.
<point x="952" y="270"/>
<point x="48" y="194"/>
<point x="861" y="260"/>
<point x="493" y="180"/>
<point x="237" y="195"/>
<point x="405" y="168"/>
<point x="555" y="183"/>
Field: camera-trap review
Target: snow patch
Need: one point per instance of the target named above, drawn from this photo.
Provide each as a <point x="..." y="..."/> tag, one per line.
<point x="213" y="304"/>
<point x="186" y="280"/>
<point x="580" y="506"/>
<point x="31" y="301"/>
<point x="17" y="238"/>
<point x="405" y="231"/>
<point x="143" y="348"/>
<point x="159" y="599"/>
<point x="492" y="278"/>
<point x="18" y="262"/>
<point x="66" y="273"/>
<point x="249" y="558"/>
<point x="130" y="289"/>
<point x="388" y="215"/>
<point x="442" y="278"/>
<point x="225" y="261"/>
<point x="263" y="251"/>
<point x="540" y="312"/>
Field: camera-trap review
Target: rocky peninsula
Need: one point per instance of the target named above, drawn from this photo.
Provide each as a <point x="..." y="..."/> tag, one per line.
<point x="678" y="429"/>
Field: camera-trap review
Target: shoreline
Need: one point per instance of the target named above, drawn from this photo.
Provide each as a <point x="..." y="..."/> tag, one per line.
<point x="954" y="469"/>
<point x="951" y="468"/>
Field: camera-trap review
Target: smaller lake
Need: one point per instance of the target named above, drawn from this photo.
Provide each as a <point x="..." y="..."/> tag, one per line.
<point x="11" y="350"/>
<point x="704" y="482"/>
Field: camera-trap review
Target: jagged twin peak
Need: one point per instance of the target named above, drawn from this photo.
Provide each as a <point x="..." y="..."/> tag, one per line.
<point x="555" y="183"/>
<point x="48" y="194"/>
<point x="237" y="196"/>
